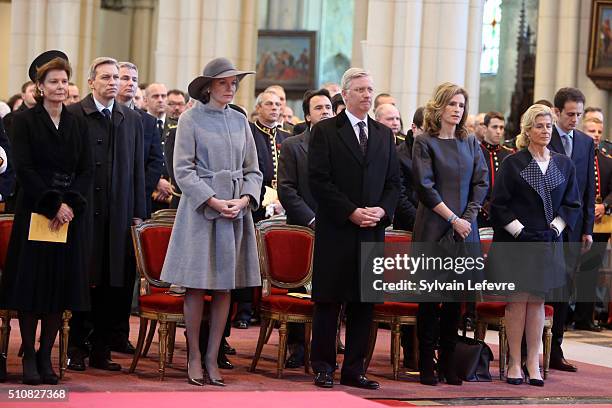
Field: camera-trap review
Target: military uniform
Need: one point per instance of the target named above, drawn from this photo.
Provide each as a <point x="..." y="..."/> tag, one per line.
<point x="493" y="155"/>
<point x="591" y="262"/>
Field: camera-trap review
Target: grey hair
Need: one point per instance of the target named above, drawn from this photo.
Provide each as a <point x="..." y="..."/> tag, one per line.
<point x="378" y="112"/>
<point x="128" y="65"/>
<point x="100" y="61"/>
<point x="350" y="74"/>
<point x="259" y="99"/>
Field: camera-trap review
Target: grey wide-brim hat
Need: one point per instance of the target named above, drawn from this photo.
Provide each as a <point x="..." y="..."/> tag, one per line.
<point x="217" y="68"/>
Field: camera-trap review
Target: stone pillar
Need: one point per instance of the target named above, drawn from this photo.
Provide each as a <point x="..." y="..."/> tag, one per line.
<point x="193" y="32"/>
<point x="444" y="45"/>
<point x="546" y="50"/>
<point x="566" y="63"/>
<point x="360" y="32"/>
<point x="142" y="38"/>
<point x="474" y="47"/>
<point x="40" y="25"/>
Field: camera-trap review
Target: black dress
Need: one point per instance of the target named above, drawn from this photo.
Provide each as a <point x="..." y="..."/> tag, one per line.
<point x="53" y="166"/>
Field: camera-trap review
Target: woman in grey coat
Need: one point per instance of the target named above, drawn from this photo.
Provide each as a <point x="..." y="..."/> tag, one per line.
<point x="451" y="180"/>
<point x="213" y="245"/>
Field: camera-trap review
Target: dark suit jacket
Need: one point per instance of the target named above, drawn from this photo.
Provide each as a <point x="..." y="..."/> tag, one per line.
<point x="119" y="186"/>
<point x="342" y="180"/>
<point x="153" y="158"/>
<point x="583" y="157"/>
<point x="7" y="179"/>
<point x="405" y="213"/>
<point x="293" y="188"/>
<point x="605" y="177"/>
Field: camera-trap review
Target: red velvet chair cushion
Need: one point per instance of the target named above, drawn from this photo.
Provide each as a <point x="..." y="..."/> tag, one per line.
<point x="397" y="308"/>
<point x="392" y="238"/>
<point x="160" y="302"/>
<point x="6" y="226"/>
<point x="289" y="254"/>
<point x="154" y="242"/>
<point x="287" y="304"/>
<point x="498" y="309"/>
<point x="278" y="291"/>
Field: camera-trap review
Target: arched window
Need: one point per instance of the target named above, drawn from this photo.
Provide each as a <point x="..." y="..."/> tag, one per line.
<point x="491" y="18"/>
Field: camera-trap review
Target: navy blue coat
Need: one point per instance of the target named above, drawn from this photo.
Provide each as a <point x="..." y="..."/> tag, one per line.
<point x="153" y="158"/>
<point x="583" y="157"/>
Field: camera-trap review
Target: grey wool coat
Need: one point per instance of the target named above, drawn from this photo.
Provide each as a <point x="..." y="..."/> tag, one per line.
<point x="214" y="155"/>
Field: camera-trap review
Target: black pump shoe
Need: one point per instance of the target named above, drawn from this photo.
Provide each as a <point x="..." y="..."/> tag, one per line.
<point x="45" y="370"/>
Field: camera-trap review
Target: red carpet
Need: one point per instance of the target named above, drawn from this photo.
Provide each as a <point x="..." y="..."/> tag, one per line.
<point x="268" y="399"/>
<point x="590" y="381"/>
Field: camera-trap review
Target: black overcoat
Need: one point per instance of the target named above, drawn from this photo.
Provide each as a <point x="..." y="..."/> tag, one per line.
<point x="342" y="180"/>
<point x="53" y="166"/>
<point x="118" y="193"/>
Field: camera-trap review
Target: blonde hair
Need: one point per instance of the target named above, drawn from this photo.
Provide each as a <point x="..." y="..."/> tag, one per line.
<point x="527" y="122"/>
<point x="432" y="121"/>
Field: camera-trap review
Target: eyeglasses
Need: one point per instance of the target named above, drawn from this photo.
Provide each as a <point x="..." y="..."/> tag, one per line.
<point x="363" y="89"/>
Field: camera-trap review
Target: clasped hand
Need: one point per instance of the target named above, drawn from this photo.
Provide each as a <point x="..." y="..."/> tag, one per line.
<point x="367" y="217"/>
<point x="228" y="208"/>
<point x="64" y="215"/>
<point x="462" y="227"/>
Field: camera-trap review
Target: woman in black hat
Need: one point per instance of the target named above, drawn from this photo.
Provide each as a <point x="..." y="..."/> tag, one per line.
<point x="52" y="159"/>
<point x="213" y="245"/>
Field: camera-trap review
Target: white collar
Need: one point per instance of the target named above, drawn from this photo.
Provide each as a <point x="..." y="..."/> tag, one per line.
<point x="101" y="107"/>
<point x="354" y="119"/>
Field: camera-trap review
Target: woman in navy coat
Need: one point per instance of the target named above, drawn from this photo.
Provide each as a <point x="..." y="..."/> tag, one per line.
<point x="534" y="199"/>
<point x="451" y="182"/>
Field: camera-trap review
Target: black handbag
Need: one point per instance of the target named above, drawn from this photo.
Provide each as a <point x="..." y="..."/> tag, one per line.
<point x="472" y="358"/>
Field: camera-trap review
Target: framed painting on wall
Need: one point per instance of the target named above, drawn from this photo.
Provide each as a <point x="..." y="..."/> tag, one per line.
<point x="599" y="62"/>
<point x="286" y="58"/>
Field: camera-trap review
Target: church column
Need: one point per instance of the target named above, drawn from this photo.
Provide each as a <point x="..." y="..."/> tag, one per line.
<point x="39" y="25"/>
<point x="360" y="32"/>
<point x="546" y="50"/>
<point x="474" y="48"/>
<point x="193" y="32"/>
<point x="567" y="43"/>
<point x="142" y="37"/>
<point x="444" y="45"/>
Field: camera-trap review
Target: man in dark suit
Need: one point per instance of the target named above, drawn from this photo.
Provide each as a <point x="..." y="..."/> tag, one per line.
<point x="566" y="139"/>
<point x="118" y="201"/>
<point x="294" y="192"/>
<point x="153" y="156"/>
<point x="354" y="178"/>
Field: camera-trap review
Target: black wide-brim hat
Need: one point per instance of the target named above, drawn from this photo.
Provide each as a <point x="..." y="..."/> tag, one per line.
<point x="217" y="68"/>
<point x="42" y="59"/>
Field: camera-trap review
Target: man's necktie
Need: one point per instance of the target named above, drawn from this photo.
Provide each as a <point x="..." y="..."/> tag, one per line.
<point x="567" y="144"/>
<point x="363" y="139"/>
<point x="160" y="127"/>
<point x="107" y="114"/>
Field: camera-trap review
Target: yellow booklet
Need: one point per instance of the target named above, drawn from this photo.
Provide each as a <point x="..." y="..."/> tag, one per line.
<point x="40" y="231"/>
<point x="604" y="226"/>
<point x="299" y="295"/>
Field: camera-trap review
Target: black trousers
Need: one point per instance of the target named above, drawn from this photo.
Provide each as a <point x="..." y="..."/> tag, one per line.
<point x="324" y="328"/>
<point x="437" y="326"/>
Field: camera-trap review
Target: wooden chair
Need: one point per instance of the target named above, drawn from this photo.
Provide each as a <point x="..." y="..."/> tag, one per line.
<point x="492" y="313"/>
<point x="151" y="240"/>
<point x="285" y="259"/>
<point x="6" y="226"/>
<point x="394" y="314"/>
<point x="165" y="214"/>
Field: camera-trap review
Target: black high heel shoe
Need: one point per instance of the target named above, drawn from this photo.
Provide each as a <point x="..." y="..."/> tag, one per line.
<point x="213" y="381"/>
<point x="446" y="369"/>
<point x="532" y="381"/>
<point x="30" y="371"/>
<point x="45" y="369"/>
<point x="427" y="374"/>
<point x="193" y="381"/>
